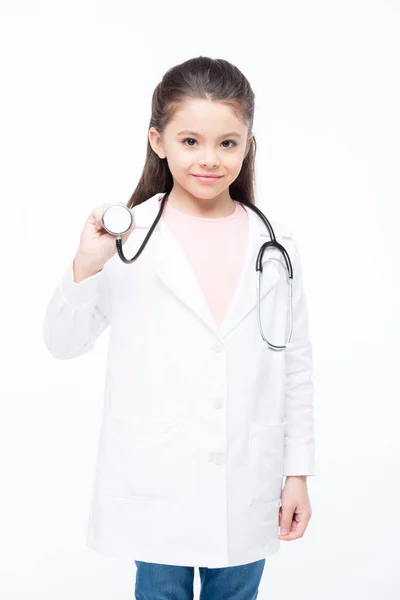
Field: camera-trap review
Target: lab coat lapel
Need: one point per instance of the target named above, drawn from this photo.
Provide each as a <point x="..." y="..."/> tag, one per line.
<point x="175" y="271"/>
<point x="245" y="297"/>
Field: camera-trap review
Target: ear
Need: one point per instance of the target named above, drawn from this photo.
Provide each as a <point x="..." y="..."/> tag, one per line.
<point x="156" y="142"/>
<point x="249" y="141"/>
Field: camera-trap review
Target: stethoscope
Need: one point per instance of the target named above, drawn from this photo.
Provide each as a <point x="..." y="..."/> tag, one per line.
<point x="117" y="219"/>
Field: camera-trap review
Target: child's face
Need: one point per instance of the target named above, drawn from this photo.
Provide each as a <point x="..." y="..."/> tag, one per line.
<point x="208" y="151"/>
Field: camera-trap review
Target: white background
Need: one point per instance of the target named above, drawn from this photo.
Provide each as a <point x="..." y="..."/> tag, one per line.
<point x="76" y="81"/>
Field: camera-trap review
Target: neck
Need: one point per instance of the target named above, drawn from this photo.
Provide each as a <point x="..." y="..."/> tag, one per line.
<point x="217" y="207"/>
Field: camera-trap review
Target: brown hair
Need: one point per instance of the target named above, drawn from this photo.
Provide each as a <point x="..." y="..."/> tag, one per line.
<point x="197" y="78"/>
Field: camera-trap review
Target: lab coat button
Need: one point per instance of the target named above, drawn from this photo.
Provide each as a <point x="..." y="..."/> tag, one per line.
<point x="217" y="347"/>
<point x="217" y="402"/>
<point x="217" y="458"/>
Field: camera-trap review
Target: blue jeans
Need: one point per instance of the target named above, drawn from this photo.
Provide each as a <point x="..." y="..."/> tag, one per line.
<point x="168" y="582"/>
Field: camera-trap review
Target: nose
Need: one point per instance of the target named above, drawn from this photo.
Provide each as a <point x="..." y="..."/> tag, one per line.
<point x="209" y="159"/>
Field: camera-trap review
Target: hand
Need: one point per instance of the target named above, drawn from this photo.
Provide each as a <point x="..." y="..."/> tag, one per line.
<point x="97" y="246"/>
<point x="295" y="511"/>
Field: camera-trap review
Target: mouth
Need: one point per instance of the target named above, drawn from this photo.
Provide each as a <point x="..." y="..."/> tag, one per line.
<point x="207" y="178"/>
<point x="206" y="175"/>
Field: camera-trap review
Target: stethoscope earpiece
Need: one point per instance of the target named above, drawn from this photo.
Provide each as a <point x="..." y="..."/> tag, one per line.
<point x="117" y="219"/>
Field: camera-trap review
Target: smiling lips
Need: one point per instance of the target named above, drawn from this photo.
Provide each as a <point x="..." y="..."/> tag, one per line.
<point x="207" y="178"/>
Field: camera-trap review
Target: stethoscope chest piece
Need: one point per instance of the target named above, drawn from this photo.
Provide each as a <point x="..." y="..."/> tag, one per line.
<point x="117" y="219"/>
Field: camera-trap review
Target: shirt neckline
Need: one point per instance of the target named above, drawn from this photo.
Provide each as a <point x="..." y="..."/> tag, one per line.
<point x="207" y="219"/>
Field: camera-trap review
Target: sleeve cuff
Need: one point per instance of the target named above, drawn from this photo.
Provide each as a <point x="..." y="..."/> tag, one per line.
<point x="299" y="460"/>
<point x="80" y="294"/>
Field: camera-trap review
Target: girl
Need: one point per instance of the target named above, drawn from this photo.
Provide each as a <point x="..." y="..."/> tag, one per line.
<point x="201" y="418"/>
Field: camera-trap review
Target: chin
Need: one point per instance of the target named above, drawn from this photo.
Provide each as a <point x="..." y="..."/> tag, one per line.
<point x="207" y="190"/>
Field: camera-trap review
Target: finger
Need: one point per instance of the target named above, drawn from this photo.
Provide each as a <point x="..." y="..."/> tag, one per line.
<point x="300" y="525"/>
<point x="286" y="518"/>
<point x="285" y="533"/>
<point x="292" y="535"/>
<point x="287" y="538"/>
<point x="297" y="530"/>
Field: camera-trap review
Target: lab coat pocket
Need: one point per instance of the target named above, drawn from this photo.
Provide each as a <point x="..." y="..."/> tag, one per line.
<point x="265" y="462"/>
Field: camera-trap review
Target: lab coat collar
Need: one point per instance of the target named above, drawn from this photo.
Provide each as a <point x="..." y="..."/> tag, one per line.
<point x="174" y="269"/>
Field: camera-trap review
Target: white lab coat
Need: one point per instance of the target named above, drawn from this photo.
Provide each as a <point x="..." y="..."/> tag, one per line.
<point x="199" y="426"/>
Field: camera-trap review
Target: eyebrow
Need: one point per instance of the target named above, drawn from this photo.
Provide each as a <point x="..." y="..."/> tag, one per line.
<point x="232" y="133"/>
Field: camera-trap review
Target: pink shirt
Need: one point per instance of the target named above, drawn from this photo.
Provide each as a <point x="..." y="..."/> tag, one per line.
<point x="215" y="248"/>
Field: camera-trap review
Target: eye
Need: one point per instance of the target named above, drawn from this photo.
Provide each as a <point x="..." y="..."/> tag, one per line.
<point x="193" y="140"/>
<point x="231" y="141"/>
<point x="188" y="139"/>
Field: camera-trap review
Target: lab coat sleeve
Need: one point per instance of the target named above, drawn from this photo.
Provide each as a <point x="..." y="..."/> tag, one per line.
<point x="76" y="314"/>
<point x="299" y="456"/>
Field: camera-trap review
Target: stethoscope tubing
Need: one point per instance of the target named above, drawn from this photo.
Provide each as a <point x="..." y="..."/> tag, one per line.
<point x="272" y="243"/>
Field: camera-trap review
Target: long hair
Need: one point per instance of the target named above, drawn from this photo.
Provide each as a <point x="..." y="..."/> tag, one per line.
<point x="197" y="78"/>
